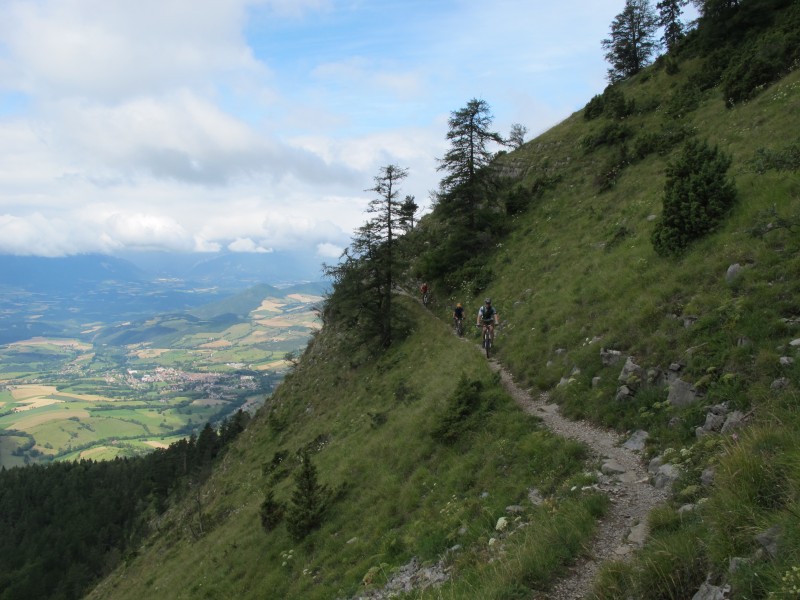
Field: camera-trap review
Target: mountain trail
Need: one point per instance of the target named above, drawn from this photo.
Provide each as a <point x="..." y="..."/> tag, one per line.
<point x="624" y="479"/>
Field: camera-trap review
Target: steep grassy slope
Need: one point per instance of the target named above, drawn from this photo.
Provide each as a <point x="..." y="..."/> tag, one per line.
<point x="401" y="491"/>
<point x="576" y="273"/>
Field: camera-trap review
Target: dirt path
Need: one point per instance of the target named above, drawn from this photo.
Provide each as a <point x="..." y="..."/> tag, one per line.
<point x="625" y="480"/>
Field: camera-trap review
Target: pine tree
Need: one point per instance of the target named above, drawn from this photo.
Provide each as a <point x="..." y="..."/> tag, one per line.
<point x="461" y="189"/>
<point x="309" y="502"/>
<point x="697" y="196"/>
<point x="669" y="12"/>
<point x="632" y="40"/>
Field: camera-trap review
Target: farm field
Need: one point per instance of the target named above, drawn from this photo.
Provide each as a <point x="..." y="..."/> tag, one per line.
<point x="125" y="389"/>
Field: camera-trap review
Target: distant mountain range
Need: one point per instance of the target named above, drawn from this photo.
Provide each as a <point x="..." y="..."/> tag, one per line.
<point x="60" y="296"/>
<point x="228" y="271"/>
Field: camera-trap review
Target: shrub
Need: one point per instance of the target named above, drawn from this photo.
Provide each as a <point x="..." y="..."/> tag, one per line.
<point x="466" y="403"/>
<point x="611" y="134"/>
<point x="697" y="196"/>
<point x="762" y="62"/>
<point x="783" y="159"/>
<point x="271" y="512"/>
<point x="594" y="108"/>
<point x="310" y="501"/>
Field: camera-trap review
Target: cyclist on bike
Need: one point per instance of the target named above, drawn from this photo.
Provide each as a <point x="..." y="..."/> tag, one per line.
<point x="458" y="316"/>
<point x="488" y="317"/>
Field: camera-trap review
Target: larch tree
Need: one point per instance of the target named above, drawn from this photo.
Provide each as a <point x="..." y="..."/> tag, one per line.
<point x="387" y="223"/>
<point x="633" y="40"/>
<point x="464" y="164"/>
<point x="669" y="13"/>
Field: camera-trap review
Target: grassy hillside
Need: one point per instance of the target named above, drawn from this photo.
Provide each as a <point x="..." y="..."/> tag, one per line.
<point x="401" y="490"/>
<point x="422" y="449"/>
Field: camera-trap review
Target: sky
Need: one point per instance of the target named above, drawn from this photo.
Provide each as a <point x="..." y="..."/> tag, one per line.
<point x="257" y="125"/>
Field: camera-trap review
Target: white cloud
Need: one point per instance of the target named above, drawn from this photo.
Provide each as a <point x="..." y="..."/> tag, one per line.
<point x="326" y="250"/>
<point x="257" y="124"/>
<point x="247" y="245"/>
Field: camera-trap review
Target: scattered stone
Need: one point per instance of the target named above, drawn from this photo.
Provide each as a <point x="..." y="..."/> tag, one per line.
<point x="795" y="343"/>
<point x="515" y="509"/>
<point x="610" y="357"/>
<point x="689" y="320"/>
<point x="707" y="476"/>
<point x="612" y="467"/>
<point x="595" y="381"/>
<point x="665" y="476"/>
<point x="733" y="421"/>
<point x="623" y="393"/>
<point x="655" y="464"/>
<point x="675" y="367"/>
<point x="786" y="361"/>
<point x="779" y="384"/>
<point x="744" y="342"/>
<point x="714" y="422"/>
<point x="769" y="540"/>
<point x="737" y="562"/>
<point x="638" y="534"/>
<point x="681" y="393"/>
<point x="632" y="374"/>
<point x="733" y="272"/>
<point x="502" y="524"/>
<point x="535" y="497"/>
<point x="687" y="508"/>
<point x="712" y="592"/>
<point x="637" y="441"/>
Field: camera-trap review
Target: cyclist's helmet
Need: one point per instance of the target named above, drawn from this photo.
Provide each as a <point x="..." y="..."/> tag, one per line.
<point x="458" y="305"/>
<point x="488" y="301"/>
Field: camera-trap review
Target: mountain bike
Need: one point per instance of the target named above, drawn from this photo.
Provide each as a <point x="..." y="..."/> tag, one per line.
<point x="487" y="339"/>
<point x="459" y="326"/>
<point x="426" y="297"/>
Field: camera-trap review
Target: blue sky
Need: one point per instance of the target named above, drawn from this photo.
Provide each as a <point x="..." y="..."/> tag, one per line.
<point x="255" y="125"/>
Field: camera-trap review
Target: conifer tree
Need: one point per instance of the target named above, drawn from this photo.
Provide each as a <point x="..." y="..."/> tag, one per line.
<point x="310" y="500"/>
<point x="697" y="196"/>
<point x="669" y="12"/>
<point x="461" y="189"/>
<point x="632" y="40"/>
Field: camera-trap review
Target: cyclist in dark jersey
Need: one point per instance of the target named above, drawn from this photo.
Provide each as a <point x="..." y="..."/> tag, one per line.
<point x="458" y="316"/>
<point x="488" y="317"/>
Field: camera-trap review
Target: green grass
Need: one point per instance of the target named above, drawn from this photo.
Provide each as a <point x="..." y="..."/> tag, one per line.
<point x="400" y="493"/>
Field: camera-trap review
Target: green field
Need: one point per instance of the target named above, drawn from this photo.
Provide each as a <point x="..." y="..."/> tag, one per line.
<point x="133" y="387"/>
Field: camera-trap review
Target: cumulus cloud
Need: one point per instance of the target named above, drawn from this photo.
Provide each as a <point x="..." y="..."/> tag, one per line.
<point x="247" y="245"/>
<point x="251" y="125"/>
<point x="327" y="250"/>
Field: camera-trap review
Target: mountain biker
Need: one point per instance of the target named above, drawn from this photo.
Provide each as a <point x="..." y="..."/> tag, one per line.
<point x="423" y="289"/>
<point x="458" y="314"/>
<point x="488" y="317"/>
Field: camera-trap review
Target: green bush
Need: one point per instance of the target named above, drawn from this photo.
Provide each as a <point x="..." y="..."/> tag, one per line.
<point x="610" y="135"/>
<point x="463" y="408"/>
<point x="271" y="512"/>
<point x="761" y="63"/>
<point x="697" y="197"/>
<point x="594" y="108"/>
<point x="310" y="501"/>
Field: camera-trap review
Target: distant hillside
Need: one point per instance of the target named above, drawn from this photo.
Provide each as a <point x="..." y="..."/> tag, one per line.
<point x="48" y="274"/>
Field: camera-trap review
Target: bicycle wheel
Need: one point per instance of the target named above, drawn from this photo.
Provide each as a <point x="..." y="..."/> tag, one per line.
<point x="487" y="343"/>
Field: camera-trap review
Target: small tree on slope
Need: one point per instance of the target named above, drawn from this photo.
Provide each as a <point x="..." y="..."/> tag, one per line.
<point x="697" y="196"/>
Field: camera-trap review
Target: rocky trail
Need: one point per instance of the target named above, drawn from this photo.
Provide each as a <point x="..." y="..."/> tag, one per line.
<point x="624" y="478"/>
